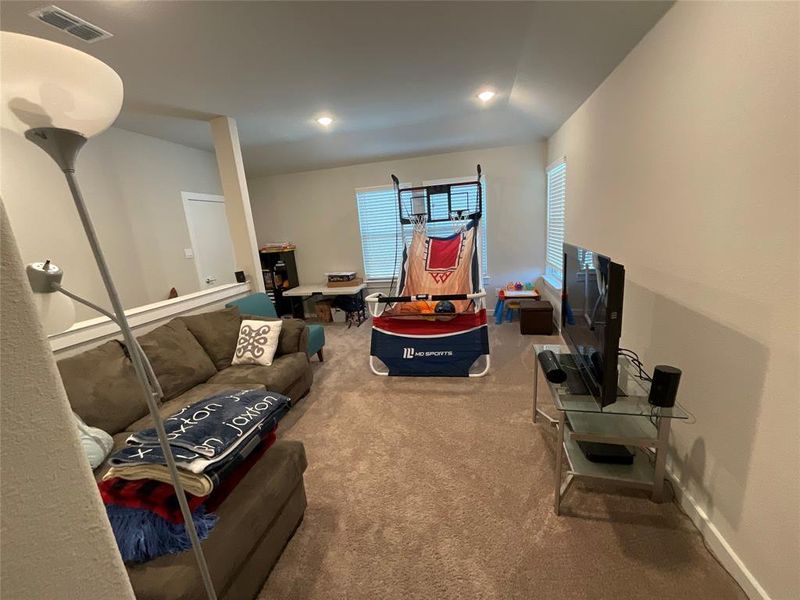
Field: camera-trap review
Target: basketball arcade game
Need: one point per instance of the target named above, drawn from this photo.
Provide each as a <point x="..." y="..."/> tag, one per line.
<point x="434" y="324"/>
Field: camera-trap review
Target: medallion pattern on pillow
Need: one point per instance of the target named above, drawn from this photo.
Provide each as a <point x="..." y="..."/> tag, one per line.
<point x="257" y="342"/>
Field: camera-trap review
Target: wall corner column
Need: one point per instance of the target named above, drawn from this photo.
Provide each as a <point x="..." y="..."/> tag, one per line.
<point x="237" y="199"/>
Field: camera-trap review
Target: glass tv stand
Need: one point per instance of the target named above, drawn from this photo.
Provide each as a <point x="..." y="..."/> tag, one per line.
<point x="631" y="421"/>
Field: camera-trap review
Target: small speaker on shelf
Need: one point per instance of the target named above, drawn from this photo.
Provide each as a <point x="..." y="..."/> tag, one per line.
<point x="664" y="388"/>
<point x="240" y="278"/>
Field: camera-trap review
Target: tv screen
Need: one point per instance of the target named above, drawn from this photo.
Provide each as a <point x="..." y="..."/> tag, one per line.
<point x="591" y="318"/>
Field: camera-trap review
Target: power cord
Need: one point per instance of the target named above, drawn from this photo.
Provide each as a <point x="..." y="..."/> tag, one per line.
<point x="636" y="362"/>
<point x="642" y="374"/>
<point x="677" y="503"/>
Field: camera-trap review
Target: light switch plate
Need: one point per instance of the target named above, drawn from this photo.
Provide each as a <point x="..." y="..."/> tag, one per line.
<point x="188" y="253"/>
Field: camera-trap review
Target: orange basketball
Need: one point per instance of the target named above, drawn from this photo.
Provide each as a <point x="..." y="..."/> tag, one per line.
<point x="424" y="307"/>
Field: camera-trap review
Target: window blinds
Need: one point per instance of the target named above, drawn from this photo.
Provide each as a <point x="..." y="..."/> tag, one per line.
<point x="381" y="241"/>
<point x="556" y="193"/>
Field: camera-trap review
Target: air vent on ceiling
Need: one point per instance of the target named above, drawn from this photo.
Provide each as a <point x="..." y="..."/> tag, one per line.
<point x="69" y="23"/>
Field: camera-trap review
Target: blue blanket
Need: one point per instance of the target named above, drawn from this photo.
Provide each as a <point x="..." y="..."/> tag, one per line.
<point x="211" y="426"/>
<point x="222" y="426"/>
<point x="143" y="535"/>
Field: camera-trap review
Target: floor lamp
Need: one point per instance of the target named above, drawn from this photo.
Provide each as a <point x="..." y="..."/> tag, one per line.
<point x="58" y="97"/>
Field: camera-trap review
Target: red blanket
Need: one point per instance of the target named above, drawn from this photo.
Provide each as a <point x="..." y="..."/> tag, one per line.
<point x="160" y="498"/>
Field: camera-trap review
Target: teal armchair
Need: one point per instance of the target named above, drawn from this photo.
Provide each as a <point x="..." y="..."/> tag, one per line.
<point x="260" y="305"/>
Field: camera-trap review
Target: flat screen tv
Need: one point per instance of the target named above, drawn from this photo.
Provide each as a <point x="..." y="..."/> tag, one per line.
<point x="591" y="318"/>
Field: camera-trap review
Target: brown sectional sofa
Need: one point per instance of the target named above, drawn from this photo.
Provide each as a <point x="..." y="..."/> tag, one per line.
<point x="191" y="357"/>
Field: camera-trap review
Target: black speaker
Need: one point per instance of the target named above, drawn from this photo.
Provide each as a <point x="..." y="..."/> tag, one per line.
<point x="551" y="367"/>
<point x="664" y="388"/>
<point x="240" y="276"/>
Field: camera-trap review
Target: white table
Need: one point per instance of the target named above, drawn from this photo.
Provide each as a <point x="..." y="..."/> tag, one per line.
<point x="302" y="291"/>
<point x="521" y="294"/>
<point x="356" y="317"/>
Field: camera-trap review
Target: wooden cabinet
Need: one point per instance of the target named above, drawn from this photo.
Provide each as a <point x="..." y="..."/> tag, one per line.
<point x="279" y="270"/>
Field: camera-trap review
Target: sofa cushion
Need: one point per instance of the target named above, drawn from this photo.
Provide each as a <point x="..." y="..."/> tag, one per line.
<point x="197" y="393"/>
<point x="178" y="359"/>
<point x="293" y="337"/>
<point x="276" y="378"/>
<point x="102" y="387"/>
<point x="217" y="332"/>
<point x="244" y="518"/>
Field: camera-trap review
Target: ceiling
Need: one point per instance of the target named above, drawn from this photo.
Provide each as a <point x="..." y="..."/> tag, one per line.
<point x="400" y="78"/>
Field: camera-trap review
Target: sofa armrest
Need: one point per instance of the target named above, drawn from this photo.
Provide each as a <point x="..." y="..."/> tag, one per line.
<point x="294" y="334"/>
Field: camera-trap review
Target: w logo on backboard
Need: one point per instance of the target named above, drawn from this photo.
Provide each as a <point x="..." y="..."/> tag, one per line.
<point x="408" y="353"/>
<point x="441" y="277"/>
<point x="443" y="256"/>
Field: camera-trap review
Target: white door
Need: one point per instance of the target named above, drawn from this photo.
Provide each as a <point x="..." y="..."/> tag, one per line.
<point x="211" y="239"/>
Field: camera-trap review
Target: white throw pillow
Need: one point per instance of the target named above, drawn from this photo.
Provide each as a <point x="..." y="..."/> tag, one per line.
<point x="96" y="442"/>
<point x="257" y="343"/>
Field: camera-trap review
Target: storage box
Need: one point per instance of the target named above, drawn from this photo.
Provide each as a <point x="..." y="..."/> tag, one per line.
<point x="352" y="282"/>
<point x="535" y="317"/>
<point x="341" y="276"/>
<point x="323" y="309"/>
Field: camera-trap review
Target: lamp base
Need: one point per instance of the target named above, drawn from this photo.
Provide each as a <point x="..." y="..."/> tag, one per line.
<point x="62" y="145"/>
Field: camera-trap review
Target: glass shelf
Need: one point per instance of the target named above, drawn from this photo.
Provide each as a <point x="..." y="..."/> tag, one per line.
<point x="633" y="403"/>
<point x="611" y="428"/>
<point x="639" y="473"/>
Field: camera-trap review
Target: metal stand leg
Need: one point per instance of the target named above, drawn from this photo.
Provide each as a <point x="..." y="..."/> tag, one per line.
<point x="661" y="459"/>
<point x="535" y="405"/>
<point x="535" y="389"/>
<point x="559" y="460"/>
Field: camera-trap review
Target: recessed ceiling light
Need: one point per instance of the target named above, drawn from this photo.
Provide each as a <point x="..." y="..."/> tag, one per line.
<point x="325" y="121"/>
<point x="486" y="95"/>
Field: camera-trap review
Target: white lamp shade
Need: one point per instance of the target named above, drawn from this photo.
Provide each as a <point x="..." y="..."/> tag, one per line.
<point x="56" y="312"/>
<point x="45" y="84"/>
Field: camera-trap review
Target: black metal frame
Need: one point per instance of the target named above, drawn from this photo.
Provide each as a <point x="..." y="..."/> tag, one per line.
<point x="441" y="188"/>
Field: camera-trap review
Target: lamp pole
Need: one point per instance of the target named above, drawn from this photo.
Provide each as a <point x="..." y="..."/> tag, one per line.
<point x="63" y="145"/>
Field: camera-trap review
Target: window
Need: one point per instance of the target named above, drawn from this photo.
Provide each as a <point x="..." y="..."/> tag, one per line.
<point x="587" y="260"/>
<point x="381" y="242"/>
<point x="554" y="251"/>
<point x="381" y="239"/>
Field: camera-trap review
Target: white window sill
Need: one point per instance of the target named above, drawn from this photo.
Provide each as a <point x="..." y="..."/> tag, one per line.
<point x="552" y="283"/>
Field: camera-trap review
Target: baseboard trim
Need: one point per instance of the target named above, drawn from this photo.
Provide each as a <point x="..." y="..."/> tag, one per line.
<point x="717" y="543"/>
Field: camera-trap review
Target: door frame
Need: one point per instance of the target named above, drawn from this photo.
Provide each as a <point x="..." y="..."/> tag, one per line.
<point x="186" y="198"/>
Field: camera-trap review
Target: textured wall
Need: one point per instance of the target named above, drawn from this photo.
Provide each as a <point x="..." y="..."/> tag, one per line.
<point x="683" y="165"/>
<point x="55" y="540"/>
<point x="317" y="209"/>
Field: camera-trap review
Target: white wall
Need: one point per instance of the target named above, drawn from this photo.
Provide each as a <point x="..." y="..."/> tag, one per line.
<point x="317" y="209"/>
<point x="132" y="186"/>
<point x="55" y="539"/>
<point x="683" y="165"/>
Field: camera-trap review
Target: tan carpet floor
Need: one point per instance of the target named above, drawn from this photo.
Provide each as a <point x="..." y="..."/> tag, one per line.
<point x="443" y="488"/>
